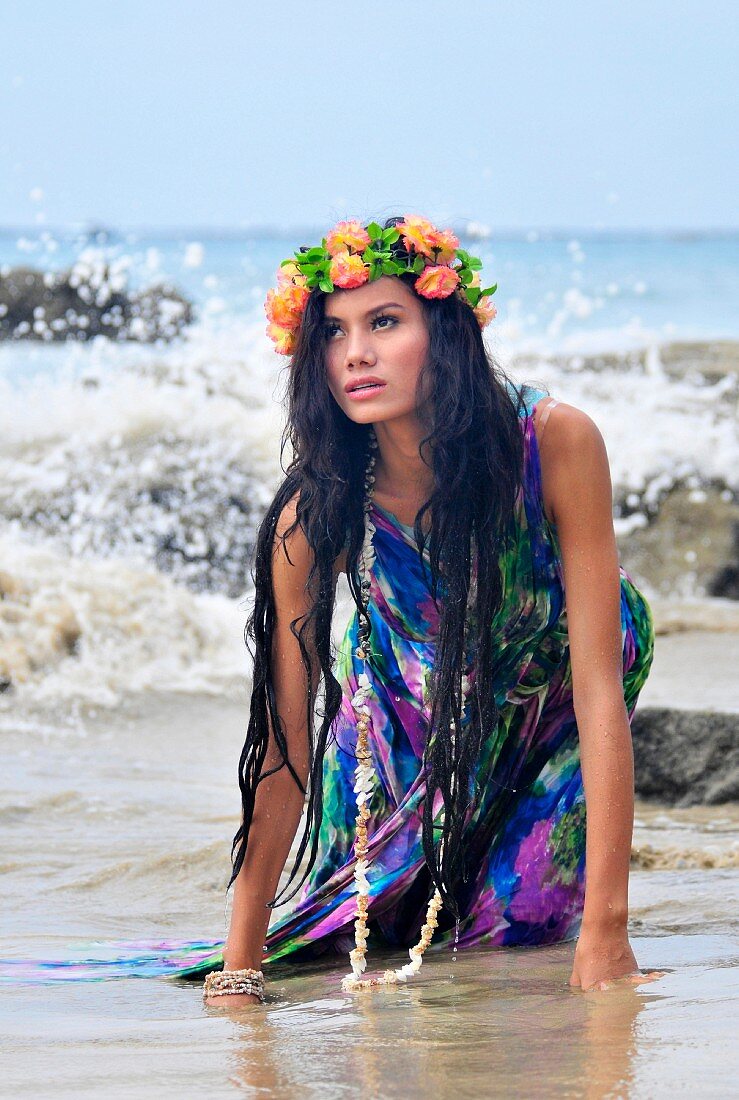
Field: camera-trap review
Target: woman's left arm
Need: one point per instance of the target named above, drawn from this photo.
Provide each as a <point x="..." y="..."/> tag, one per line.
<point x="577" y="486"/>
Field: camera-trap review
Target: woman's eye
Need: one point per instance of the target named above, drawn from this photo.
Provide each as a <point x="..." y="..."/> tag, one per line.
<point x="329" y="328"/>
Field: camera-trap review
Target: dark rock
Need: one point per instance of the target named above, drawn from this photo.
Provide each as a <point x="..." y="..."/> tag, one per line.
<point x="725" y="581"/>
<point x="85" y="301"/>
<point x="686" y="757"/>
<point x="690" y="543"/>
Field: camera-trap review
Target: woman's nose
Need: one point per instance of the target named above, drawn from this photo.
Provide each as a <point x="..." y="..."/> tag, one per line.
<point x="359" y="347"/>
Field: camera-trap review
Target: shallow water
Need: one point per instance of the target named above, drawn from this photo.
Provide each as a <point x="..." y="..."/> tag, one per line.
<point x="117" y="825"/>
<point x="505" y="1024"/>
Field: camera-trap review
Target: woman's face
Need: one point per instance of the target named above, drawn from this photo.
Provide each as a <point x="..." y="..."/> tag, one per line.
<point x="377" y="330"/>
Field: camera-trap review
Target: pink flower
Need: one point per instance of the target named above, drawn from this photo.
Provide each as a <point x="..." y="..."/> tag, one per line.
<point x="346" y="236"/>
<point x="447" y="244"/>
<point x="284" y="338"/>
<point x="290" y="275"/>
<point x="285" y="307"/>
<point x="437" y="281"/>
<point x="419" y="234"/>
<point x="347" y="270"/>
<point x="485" y="311"/>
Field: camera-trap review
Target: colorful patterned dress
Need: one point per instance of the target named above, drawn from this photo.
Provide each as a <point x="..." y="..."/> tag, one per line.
<point x="527" y="831"/>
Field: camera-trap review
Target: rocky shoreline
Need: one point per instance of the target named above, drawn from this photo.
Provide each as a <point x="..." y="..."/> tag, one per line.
<point x="91" y="298"/>
<point x="701" y="362"/>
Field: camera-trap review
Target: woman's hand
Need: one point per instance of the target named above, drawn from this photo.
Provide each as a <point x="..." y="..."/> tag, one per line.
<point x="603" y="955"/>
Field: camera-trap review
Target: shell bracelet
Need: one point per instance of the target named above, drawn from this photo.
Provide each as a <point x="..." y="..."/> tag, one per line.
<point x="222" y="983"/>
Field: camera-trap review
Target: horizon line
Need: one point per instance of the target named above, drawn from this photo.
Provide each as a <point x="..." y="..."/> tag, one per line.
<point x="470" y="230"/>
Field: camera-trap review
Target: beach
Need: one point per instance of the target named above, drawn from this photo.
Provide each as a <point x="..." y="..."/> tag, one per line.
<point x="119" y="827"/>
<point x="133" y="477"/>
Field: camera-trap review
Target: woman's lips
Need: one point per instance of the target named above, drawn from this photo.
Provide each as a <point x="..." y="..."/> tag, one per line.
<point x="365" y="393"/>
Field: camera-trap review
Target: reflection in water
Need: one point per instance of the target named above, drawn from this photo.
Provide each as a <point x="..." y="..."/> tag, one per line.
<point x="506" y="1023"/>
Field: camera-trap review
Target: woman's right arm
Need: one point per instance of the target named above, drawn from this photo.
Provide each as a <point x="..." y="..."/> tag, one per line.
<point x="278" y="802"/>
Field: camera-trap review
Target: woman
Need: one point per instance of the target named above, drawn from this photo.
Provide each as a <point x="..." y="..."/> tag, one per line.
<point x="471" y="712"/>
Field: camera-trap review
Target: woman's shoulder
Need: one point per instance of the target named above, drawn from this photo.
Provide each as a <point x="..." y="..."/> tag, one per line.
<point x="571" y="451"/>
<point x="292" y="556"/>
<point x="563" y="431"/>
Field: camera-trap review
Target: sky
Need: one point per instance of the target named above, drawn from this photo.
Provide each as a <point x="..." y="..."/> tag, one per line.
<point x="513" y="114"/>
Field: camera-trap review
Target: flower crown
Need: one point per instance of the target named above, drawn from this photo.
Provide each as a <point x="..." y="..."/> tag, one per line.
<point x="353" y="254"/>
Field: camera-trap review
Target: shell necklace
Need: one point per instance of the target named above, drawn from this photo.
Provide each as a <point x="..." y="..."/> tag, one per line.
<point x="364" y="781"/>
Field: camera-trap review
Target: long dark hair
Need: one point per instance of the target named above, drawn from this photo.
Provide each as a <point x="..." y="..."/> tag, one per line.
<point x="475" y="449"/>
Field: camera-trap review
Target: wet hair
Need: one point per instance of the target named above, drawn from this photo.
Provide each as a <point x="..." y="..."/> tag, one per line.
<point x="475" y="450"/>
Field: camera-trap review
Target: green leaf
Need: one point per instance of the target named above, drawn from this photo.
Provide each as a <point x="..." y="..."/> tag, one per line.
<point x="369" y="256"/>
<point x="418" y="264"/>
<point x="326" y="285"/>
<point x="390" y="267"/>
<point x="473" y="295"/>
<point x="374" y="230"/>
<point x="465" y="275"/>
<point x="391" y="235"/>
<point x="490" y="289"/>
<point x="315" y="255"/>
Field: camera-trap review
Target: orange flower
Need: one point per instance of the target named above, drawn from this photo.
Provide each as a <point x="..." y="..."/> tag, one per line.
<point x="437" y="281"/>
<point x="347" y="235"/>
<point x="347" y="270"/>
<point x="419" y="234"/>
<point x="447" y="243"/>
<point x="285" y="307"/>
<point x="485" y="311"/>
<point x="284" y="339"/>
<point x="290" y="275"/>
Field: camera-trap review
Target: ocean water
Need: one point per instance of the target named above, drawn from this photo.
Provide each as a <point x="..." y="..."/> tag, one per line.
<point x="132" y="478"/>
<point x="133" y="475"/>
